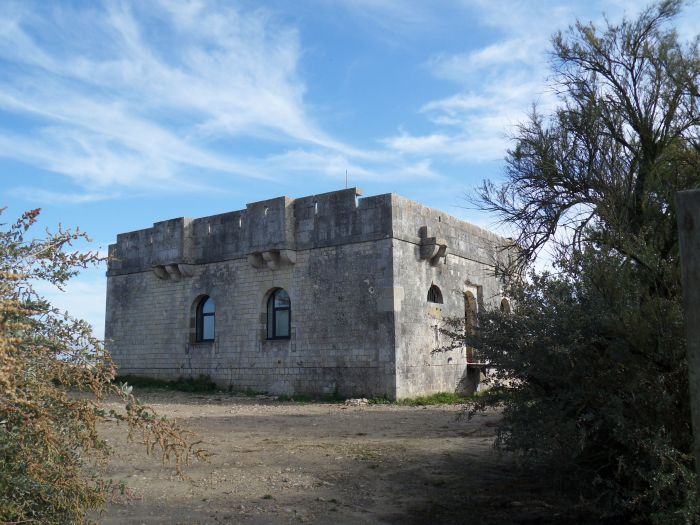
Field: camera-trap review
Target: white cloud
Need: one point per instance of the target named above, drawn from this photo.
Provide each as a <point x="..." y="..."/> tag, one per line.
<point x="57" y="197"/>
<point x="425" y="145"/>
<point x="145" y="95"/>
<point x="461" y="66"/>
<point x="475" y="125"/>
<point x="83" y="298"/>
<point x="331" y="164"/>
<point x="111" y="102"/>
<point x="464" y="147"/>
<point x="387" y="167"/>
<point x="528" y="19"/>
<point x="498" y="83"/>
<point x="392" y="21"/>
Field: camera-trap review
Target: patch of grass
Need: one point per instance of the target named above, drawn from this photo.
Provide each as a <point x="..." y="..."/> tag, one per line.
<point x="267" y="496"/>
<point x="247" y="392"/>
<point x="202" y="383"/>
<point x="440" y="398"/>
<point x="334" y="397"/>
<point x="299" y="398"/>
<point x="364" y="453"/>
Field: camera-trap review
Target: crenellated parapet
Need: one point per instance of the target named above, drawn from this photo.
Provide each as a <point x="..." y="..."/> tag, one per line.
<point x="270" y="233"/>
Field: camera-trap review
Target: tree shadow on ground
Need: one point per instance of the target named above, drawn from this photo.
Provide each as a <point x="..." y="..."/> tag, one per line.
<point x="317" y="463"/>
<point x="462" y="489"/>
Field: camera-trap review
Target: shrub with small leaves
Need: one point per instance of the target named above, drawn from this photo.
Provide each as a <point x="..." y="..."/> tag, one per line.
<point x="54" y="374"/>
<point x="590" y="367"/>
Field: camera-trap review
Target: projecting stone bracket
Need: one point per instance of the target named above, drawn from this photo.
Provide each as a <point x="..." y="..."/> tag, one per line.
<point x="272" y="259"/>
<point x="432" y="249"/>
<point x="173" y="272"/>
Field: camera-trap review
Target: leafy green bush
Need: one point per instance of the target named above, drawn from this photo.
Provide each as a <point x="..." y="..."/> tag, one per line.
<point x="50" y="451"/>
<point x="591" y="377"/>
<point x="590" y="367"/>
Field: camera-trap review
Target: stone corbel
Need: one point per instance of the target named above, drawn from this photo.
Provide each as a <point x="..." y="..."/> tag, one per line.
<point x="272" y="259"/>
<point x="288" y="257"/>
<point x="256" y="260"/>
<point x="160" y="272"/>
<point x="173" y="272"/>
<point x="186" y="270"/>
<point x="432" y="249"/>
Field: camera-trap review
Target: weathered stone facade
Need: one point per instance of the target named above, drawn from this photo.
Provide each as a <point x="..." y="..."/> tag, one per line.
<point x="357" y="271"/>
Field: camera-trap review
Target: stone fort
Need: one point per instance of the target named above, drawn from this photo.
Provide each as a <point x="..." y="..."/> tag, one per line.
<point x="331" y="293"/>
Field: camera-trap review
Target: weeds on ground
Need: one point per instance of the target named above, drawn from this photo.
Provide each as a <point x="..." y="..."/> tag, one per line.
<point x="248" y="392"/>
<point x="299" y="398"/>
<point x="364" y="453"/>
<point x="333" y="397"/>
<point x="440" y="398"/>
<point x="379" y="400"/>
<point x="306" y="398"/>
<point x="202" y="383"/>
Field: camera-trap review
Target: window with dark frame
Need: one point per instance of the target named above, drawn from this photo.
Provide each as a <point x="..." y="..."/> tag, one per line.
<point x="279" y="315"/>
<point x="206" y="311"/>
<point x="434" y="295"/>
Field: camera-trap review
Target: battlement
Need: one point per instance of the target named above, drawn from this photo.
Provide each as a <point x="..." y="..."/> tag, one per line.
<point x="269" y="233"/>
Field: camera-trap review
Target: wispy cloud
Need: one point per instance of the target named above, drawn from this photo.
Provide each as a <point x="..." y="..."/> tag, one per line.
<point x="476" y="124"/>
<point x="334" y="166"/>
<point x="108" y="102"/>
<point x="162" y="95"/>
<point x="58" y="197"/>
<point x="392" y="21"/>
<point x="460" y="67"/>
<point x="83" y="298"/>
<point x="497" y="83"/>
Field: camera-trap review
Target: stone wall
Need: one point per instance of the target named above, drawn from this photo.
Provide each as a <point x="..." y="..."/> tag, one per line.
<point x="328" y="219"/>
<point x="357" y="271"/>
<point x="467" y="266"/>
<point x="342" y="334"/>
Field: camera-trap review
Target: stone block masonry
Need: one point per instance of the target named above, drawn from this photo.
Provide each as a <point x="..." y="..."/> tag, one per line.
<point x="356" y="272"/>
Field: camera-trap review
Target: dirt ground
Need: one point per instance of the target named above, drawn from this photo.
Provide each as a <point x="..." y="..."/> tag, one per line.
<point x="286" y="462"/>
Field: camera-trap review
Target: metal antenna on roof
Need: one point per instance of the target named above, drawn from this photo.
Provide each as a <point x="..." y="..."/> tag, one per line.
<point x="346" y="178"/>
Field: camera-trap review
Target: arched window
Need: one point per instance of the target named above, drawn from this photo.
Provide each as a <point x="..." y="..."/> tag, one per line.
<point x="434" y="295"/>
<point x="205" y="319"/>
<point x="279" y="315"/>
<point x="505" y="306"/>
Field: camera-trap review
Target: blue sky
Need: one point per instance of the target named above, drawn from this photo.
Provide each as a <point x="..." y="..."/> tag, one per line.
<point x="114" y="115"/>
